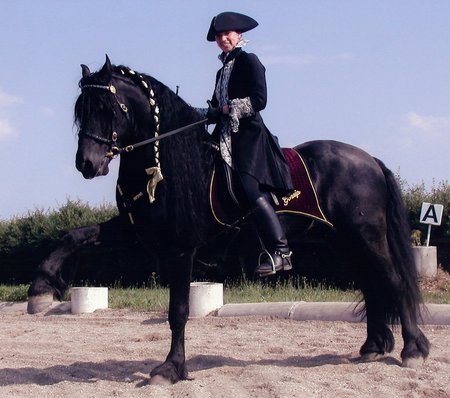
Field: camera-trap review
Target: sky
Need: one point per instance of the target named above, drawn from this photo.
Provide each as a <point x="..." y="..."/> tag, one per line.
<point x="374" y="74"/>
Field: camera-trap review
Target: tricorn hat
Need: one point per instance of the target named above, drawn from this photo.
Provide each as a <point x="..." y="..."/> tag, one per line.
<point x="230" y="21"/>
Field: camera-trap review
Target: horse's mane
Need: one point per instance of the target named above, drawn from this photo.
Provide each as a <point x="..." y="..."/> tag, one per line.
<point x="185" y="162"/>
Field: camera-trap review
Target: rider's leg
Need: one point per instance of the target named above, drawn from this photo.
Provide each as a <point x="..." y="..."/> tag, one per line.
<point x="277" y="253"/>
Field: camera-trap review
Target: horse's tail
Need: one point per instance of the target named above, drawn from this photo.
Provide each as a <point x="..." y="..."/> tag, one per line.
<point x="398" y="236"/>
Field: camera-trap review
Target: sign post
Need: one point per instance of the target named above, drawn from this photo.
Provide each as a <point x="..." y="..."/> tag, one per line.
<point x="431" y="214"/>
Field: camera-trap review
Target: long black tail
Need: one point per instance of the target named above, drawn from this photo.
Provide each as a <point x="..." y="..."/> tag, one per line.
<point x="398" y="236"/>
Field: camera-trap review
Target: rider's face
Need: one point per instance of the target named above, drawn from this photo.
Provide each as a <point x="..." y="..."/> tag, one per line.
<point x="228" y="40"/>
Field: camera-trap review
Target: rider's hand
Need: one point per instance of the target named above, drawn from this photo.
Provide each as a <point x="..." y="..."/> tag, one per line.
<point x="213" y="114"/>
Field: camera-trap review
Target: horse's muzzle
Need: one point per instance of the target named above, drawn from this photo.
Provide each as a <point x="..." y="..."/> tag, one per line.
<point x="91" y="169"/>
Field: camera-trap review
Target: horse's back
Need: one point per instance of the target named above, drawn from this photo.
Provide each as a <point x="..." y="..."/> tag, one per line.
<point x="346" y="178"/>
<point x="322" y="151"/>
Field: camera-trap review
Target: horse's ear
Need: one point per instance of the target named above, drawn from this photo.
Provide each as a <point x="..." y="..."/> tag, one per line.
<point x="106" y="72"/>
<point x="85" y="71"/>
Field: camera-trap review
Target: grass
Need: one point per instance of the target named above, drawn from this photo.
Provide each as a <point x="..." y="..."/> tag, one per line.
<point x="153" y="299"/>
<point x="436" y="297"/>
<point x="13" y="293"/>
<point x="157" y="298"/>
<point x="293" y="289"/>
<point x="251" y="292"/>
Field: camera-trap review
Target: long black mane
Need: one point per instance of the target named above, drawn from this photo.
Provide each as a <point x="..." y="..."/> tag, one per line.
<point x="186" y="159"/>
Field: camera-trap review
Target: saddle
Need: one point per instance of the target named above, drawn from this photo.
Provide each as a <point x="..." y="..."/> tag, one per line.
<point x="303" y="201"/>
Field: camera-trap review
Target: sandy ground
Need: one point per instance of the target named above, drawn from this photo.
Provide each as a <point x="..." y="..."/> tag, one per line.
<point x="110" y="353"/>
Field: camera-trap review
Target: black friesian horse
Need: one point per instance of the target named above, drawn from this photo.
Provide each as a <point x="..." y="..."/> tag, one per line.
<point x="118" y="108"/>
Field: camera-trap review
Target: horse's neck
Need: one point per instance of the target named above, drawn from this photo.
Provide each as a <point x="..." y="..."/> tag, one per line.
<point x="132" y="175"/>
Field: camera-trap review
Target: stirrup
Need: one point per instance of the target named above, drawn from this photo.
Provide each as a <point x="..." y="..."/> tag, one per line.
<point x="285" y="265"/>
<point x="271" y="261"/>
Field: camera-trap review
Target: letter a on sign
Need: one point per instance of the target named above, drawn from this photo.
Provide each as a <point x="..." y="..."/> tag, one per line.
<point x="431" y="214"/>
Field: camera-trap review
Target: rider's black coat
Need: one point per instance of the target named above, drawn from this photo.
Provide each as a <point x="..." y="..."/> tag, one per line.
<point x="254" y="149"/>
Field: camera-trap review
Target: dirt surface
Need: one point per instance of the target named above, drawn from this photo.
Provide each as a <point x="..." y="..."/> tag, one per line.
<point x="110" y="353"/>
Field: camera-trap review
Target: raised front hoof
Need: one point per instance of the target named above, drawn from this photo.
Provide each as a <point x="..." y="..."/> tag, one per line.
<point x="413" y="363"/>
<point x="38" y="304"/>
<point x="166" y="374"/>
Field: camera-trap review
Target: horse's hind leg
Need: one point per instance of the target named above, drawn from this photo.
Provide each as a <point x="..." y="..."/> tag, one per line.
<point x="416" y="346"/>
<point x="369" y="270"/>
<point x="380" y="339"/>
<point x="390" y="298"/>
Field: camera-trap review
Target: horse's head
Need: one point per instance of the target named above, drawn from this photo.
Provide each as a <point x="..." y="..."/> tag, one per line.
<point x="102" y="114"/>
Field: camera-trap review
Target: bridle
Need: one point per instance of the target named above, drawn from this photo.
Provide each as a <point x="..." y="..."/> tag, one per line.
<point x="115" y="150"/>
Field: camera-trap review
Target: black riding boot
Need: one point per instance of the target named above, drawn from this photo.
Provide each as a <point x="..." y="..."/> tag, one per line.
<point x="277" y="255"/>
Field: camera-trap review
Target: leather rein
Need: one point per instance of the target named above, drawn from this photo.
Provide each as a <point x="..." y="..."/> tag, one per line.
<point x="115" y="150"/>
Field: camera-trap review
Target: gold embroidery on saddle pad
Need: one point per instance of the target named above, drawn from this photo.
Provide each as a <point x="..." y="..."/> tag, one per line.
<point x="304" y="200"/>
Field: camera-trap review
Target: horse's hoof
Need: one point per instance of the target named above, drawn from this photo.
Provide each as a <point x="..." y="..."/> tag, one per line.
<point x="370" y="357"/>
<point x="167" y="373"/>
<point x="38" y="304"/>
<point x="159" y="380"/>
<point x="413" y="363"/>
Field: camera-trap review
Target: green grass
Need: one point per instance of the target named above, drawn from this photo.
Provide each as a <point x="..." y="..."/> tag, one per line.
<point x="436" y="298"/>
<point x="154" y="299"/>
<point x="157" y="298"/>
<point x="294" y="289"/>
<point x="13" y="293"/>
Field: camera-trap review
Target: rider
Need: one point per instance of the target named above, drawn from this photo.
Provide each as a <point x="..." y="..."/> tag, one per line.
<point x="246" y="145"/>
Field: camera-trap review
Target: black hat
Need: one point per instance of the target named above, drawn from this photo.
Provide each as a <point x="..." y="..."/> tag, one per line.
<point x="230" y="21"/>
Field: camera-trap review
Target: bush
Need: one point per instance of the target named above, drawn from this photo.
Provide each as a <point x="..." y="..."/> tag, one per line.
<point x="414" y="195"/>
<point x="439" y="193"/>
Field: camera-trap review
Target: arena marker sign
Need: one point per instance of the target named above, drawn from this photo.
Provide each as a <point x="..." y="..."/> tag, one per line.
<point x="431" y="214"/>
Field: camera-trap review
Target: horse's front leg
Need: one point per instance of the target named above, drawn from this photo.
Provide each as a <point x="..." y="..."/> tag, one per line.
<point x="48" y="281"/>
<point x="174" y="367"/>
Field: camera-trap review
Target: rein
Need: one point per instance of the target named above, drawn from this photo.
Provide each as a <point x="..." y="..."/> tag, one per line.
<point x="129" y="148"/>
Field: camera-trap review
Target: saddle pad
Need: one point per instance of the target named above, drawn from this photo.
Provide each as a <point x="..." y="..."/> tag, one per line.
<point x="302" y="201"/>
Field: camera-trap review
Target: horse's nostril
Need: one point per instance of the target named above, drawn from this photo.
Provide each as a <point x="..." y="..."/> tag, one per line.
<point x="86" y="168"/>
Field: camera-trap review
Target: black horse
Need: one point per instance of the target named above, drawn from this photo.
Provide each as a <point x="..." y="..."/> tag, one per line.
<point x="162" y="195"/>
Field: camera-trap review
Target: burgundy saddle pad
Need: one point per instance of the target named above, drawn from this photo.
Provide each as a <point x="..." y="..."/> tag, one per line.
<point x="302" y="201"/>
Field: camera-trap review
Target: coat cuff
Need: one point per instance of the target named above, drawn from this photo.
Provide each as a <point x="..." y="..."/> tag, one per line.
<point x="239" y="108"/>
